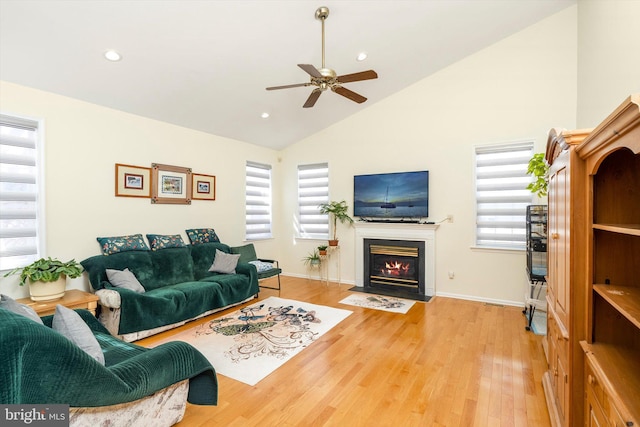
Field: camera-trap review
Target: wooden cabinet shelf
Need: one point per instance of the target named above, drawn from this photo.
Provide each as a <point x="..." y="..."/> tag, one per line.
<point x="630" y="229"/>
<point x="625" y="299"/>
<point x="613" y="365"/>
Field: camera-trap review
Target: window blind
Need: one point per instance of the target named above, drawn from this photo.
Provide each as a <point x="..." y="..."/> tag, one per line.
<point x="19" y="188"/>
<point x="313" y="190"/>
<point x="258" y="201"/>
<point x="501" y="194"/>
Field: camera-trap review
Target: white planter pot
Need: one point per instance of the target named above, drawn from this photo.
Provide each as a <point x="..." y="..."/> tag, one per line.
<point x="47" y="291"/>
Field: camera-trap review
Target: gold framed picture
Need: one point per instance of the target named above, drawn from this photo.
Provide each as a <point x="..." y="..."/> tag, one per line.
<point x="203" y="187"/>
<point x="133" y="181"/>
<point x="171" y="184"/>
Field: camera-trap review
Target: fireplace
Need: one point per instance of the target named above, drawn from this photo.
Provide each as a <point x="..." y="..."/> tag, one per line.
<point x="404" y="238"/>
<point x="394" y="265"/>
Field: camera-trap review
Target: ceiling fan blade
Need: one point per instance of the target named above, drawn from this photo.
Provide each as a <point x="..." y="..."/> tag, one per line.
<point x="288" y="86"/>
<point x="311" y="70"/>
<point x="349" y="94"/>
<point x="311" y="101"/>
<point x="355" y="77"/>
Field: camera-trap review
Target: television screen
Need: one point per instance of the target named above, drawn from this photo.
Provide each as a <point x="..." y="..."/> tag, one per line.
<point x="391" y="195"/>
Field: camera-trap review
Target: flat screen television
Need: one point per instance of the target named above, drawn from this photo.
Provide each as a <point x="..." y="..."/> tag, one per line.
<point x="391" y="195"/>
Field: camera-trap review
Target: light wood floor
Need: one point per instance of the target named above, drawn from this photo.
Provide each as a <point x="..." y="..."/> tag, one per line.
<point x="445" y="363"/>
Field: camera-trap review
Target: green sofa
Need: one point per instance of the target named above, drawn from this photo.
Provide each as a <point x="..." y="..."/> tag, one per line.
<point x="41" y="366"/>
<point x="178" y="288"/>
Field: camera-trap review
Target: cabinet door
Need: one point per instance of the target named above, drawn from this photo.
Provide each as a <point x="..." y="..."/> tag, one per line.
<point x="595" y="415"/>
<point x="559" y="249"/>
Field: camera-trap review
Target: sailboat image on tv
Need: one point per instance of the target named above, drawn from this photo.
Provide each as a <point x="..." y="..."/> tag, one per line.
<point x="400" y="195"/>
<point x="387" y="204"/>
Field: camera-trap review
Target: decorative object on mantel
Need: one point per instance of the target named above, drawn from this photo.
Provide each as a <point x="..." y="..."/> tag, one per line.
<point x="338" y="212"/>
<point x="171" y="184"/>
<point x="47" y="277"/>
<point x="203" y="187"/>
<point x="133" y="181"/>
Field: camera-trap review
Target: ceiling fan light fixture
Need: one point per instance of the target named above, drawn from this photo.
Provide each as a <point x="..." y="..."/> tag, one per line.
<point x="264" y="115"/>
<point x="112" y="55"/>
<point x="361" y="56"/>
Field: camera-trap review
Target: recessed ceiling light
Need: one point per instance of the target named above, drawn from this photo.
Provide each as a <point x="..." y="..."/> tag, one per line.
<point x="112" y="55"/>
<point x="361" y="56"/>
<point x="265" y="115"/>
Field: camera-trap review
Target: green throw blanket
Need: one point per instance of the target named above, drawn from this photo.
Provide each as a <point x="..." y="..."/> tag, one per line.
<point x="41" y="366"/>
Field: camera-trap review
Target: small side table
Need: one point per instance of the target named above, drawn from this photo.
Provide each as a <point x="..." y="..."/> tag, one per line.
<point x="72" y="299"/>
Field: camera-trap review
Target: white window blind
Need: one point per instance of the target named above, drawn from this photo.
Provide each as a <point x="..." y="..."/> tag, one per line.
<point x="258" y="201"/>
<point x="313" y="190"/>
<point x="19" y="192"/>
<point x="501" y="194"/>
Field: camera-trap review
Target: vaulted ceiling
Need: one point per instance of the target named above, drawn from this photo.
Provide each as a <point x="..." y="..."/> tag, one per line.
<point x="205" y="64"/>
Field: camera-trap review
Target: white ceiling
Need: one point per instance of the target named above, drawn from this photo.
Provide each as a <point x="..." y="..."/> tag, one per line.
<point x="205" y="64"/>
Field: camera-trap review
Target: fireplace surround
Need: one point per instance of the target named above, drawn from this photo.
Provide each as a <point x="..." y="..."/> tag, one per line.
<point x="401" y="238"/>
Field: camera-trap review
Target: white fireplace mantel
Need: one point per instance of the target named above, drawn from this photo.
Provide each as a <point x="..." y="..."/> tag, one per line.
<point x="398" y="231"/>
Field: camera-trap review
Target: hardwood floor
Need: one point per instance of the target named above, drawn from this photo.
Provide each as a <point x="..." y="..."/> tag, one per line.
<point x="448" y="362"/>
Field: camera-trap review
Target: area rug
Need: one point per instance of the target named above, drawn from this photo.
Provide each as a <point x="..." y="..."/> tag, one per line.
<point x="250" y="343"/>
<point x="379" y="302"/>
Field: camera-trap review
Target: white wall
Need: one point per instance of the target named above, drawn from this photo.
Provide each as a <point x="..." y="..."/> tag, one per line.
<point x="608" y="57"/>
<point x="83" y="142"/>
<point x="516" y="89"/>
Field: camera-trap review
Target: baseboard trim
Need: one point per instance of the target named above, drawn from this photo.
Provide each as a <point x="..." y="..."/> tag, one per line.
<point x="481" y="299"/>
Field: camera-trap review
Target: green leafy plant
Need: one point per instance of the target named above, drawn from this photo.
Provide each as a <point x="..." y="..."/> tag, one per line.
<point x="338" y="212"/>
<point x="47" y="270"/>
<point x="540" y="170"/>
<point x="312" y="259"/>
<point x="322" y="249"/>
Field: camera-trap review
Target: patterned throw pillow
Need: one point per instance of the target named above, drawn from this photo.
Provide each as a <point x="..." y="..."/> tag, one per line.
<point x="262" y="266"/>
<point x="161" y="241"/>
<point x="202" y="235"/>
<point x="112" y="245"/>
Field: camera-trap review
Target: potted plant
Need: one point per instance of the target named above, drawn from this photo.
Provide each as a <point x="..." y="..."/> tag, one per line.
<point x="47" y="277"/>
<point x="539" y="169"/>
<point x="338" y="212"/>
<point x="313" y="259"/>
<point x="322" y="250"/>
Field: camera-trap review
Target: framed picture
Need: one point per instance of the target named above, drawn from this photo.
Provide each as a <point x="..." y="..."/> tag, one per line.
<point x="171" y="184"/>
<point x="133" y="181"/>
<point x="203" y="187"/>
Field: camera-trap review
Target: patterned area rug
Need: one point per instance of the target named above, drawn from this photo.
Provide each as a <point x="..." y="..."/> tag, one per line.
<point x="250" y="343"/>
<point x="379" y="302"/>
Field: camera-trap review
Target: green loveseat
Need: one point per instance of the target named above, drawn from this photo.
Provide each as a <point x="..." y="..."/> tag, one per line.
<point x="178" y="288"/>
<point x="41" y="366"/>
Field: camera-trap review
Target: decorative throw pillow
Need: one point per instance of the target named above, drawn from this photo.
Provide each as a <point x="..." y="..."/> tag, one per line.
<point x="161" y="241"/>
<point x="69" y="323"/>
<point x="262" y="266"/>
<point x="14" y="306"/>
<point x="124" y="279"/>
<point x="202" y="235"/>
<point x="224" y="263"/>
<point x="112" y="245"/>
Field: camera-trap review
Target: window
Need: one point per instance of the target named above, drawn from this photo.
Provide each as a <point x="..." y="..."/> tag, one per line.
<point x="313" y="190"/>
<point x="501" y="194"/>
<point x="258" y="201"/>
<point x="21" y="232"/>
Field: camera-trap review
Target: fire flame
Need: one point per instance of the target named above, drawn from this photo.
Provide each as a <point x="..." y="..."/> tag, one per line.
<point x="395" y="268"/>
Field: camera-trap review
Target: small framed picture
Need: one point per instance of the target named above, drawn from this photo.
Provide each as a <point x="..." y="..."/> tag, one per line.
<point x="203" y="187"/>
<point x="133" y="181"/>
<point x="171" y="184"/>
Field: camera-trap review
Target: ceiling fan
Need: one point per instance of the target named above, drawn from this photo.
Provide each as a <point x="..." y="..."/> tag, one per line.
<point x="326" y="78"/>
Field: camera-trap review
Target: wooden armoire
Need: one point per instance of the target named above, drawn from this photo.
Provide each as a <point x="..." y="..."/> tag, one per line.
<point x="593" y="292"/>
